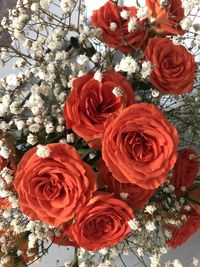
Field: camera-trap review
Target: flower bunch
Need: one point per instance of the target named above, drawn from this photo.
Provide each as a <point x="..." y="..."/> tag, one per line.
<point x="99" y="130"/>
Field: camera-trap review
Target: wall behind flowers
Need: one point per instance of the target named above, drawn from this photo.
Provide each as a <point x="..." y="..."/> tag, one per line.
<point x="184" y="253"/>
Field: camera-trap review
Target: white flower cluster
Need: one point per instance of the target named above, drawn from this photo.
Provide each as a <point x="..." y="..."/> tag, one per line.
<point x="4" y="150"/>
<point x="131" y="66"/>
<point x="127" y="64"/>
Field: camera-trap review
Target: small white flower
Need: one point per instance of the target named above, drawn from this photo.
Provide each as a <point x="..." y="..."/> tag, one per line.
<point x="164" y="3"/>
<point x="132" y="25"/>
<point x="92" y="155"/>
<point x="96" y="57"/>
<point x="117" y="91"/>
<point x="6" y="100"/>
<point x="146" y="69"/>
<point x="167" y="234"/>
<point x="150" y="209"/>
<point x="187" y="207"/>
<point x="35" y="7"/>
<point x="155" y="93"/>
<point x="133" y="224"/>
<point x="163" y="250"/>
<point x="128" y="64"/>
<point x="154" y="261"/>
<point x="195" y="261"/>
<point x="197" y="40"/>
<point x="124" y="195"/>
<point x="176" y="40"/>
<point x="177" y="263"/>
<point x="150" y="226"/>
<point x="43" y="151"/>
<point x="124" y="14"/>
<point x="186" y="23"/>
<point x="32" y="139"/>
<point x="82" y="60"/>
<point x="20" y="124"/>
<point x="15" y="107"/>
<point x="4" y="152"/>
<point x="12" y="80"/>
<point x="142" y="12"/>
<point x="45" y="4"/>
<point x="103" y="251"/>
<point x="140" y="252"/>
<point x="5" y="260"/>
<point x="70" y="138"/>
<point x="192" y="156"/>
<point x="98" y="76"/>
<point x="49" y="128"/>
<point x="19" y="252"/>
<point x="113" y="26"/>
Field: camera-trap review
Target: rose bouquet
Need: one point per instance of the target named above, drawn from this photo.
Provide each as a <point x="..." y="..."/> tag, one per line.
<point x="99" y="131"/>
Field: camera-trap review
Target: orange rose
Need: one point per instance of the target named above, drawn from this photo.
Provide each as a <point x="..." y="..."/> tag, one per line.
<point x="174" y="67"/>
<point x="135" y="196"/>
<point x="91" y="102"/>
<point x="181" y="234"/>
<point x="55" y="188"/>
<point x="103" y="222"/>
<point x="116" y="32"/>
<point x="185" y="170"/>
<point x="167" y="17"/>
<point x="139" y="146"/>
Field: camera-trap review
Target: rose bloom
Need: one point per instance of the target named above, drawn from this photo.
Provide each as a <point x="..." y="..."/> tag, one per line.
<point x="103" y="222"/>
<point x="55" y="188"/>
<point x="120" y="36"/>
<point x="185" y="170"/>
<point x="91" y="102"/>
<point x="135" y="196"/>
<point x="181" y="234"/>
<point x="167" y="17"/>
<point x="174" y="67"/>
<point x="139" y="146"/>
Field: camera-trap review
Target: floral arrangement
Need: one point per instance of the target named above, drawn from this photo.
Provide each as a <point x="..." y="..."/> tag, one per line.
<point x="99" y="131"/>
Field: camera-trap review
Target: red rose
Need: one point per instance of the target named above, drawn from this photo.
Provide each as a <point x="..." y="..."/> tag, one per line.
<point x="135" y="196"/>
<point x="181" y="234"/>
<point x="120" y="36"/>
<point x="103" y="222"/>
<point x="139" y="146"/>
<point x="174" y="67"/>
<point x="185" y="170"/>
<point x="91" y="102"/>
<point x="167" y="17"/>
<point x="53" y="189"/>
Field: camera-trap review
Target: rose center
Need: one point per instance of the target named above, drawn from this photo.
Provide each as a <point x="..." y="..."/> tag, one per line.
<point x="139" y="146"/>
<point x="99" y="226"/>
